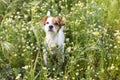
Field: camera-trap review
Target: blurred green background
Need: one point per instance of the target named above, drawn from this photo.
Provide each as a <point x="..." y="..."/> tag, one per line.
<point x="92" y="44"/>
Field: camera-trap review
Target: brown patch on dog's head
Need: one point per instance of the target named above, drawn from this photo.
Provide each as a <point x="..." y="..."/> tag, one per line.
<point x="58" y="22"/>
<point x="43" y="21"/>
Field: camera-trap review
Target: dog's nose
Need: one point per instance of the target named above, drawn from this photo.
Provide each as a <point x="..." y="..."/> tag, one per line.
<point x="50" y="26"/>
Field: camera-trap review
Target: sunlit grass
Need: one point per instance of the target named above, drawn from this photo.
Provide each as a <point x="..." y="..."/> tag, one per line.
<point x="92" y="43"/>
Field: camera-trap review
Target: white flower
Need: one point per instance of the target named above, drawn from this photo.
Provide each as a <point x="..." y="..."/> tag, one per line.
<point x="44" y="68"/>
<point x="77" y="74"/>
<point x="78" y="65"/>
<point x="112" y="67"/>
<point x="18" y="76"/>
<point x="96" y="33"/>
<point x="73" y="78"/>
<point x="67" y="39"/>
<point x="25" y="16"/>
<point x="66" y="77"/>
<point x="26" y="67"/>
<point x="18" y="12"/>
<point x="53" y="69"/>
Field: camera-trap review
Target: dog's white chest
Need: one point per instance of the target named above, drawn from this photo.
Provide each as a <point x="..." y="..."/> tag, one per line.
<point x="57" y="39"/>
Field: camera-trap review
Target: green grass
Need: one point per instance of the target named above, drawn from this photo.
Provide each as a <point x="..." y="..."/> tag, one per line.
<point x="92" y="44"/>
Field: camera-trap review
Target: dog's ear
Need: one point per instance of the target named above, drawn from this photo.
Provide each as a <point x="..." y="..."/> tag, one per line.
<point x="48" y="13"/>
<point x="62" y="22"/>
<point x="43" y="21"/>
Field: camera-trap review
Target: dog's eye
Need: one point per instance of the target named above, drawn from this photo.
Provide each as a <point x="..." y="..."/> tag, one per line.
<point x="56" y="23"/>
<point x="47" y="22"/>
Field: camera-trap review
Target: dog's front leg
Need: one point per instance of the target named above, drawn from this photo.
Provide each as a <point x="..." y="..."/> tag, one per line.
<point x="45" y="58"/>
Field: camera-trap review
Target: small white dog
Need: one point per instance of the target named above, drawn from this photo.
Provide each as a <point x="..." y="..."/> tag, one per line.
<point x="53" y="27"/>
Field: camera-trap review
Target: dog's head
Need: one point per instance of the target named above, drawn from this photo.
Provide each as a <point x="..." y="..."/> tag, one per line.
<point x="52" y="24"/>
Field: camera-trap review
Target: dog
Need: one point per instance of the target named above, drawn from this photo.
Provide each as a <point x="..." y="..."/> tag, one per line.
<point x="54" y="40"/>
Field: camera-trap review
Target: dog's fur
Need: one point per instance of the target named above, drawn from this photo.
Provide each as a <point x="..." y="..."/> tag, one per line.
<point x="53" y="27"/>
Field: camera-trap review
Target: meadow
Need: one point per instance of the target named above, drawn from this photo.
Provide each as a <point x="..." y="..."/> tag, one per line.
<point x="92" y="44"/>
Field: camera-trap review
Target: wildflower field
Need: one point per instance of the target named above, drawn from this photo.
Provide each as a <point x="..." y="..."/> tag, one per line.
<point x="92" y="44"/>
